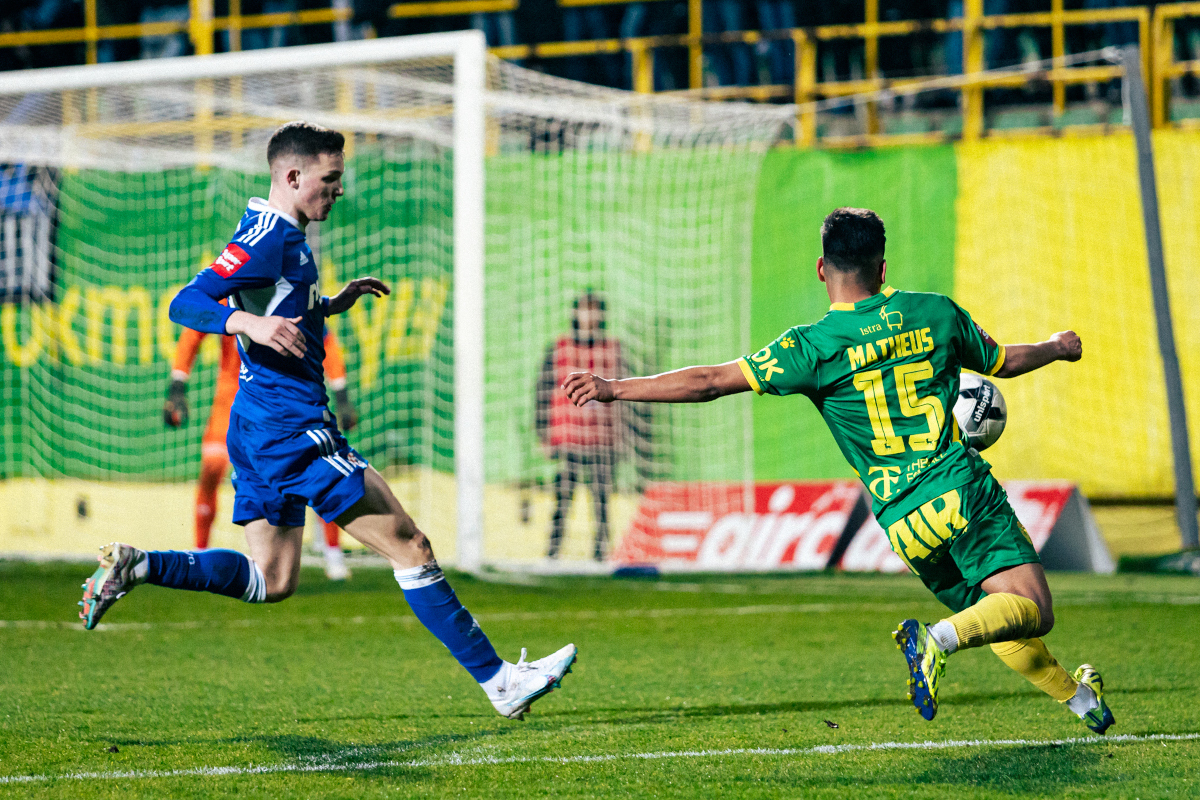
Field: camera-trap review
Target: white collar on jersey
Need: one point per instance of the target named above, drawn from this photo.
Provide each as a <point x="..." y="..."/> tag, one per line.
<point x="258" y="204"/>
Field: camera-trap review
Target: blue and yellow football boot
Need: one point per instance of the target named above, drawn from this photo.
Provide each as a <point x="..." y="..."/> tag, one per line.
<point x="1099" y="719"/>
<point x="926" y="664"/>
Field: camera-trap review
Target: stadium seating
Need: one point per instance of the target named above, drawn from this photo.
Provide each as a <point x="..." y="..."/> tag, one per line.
<point x="716" y="48"/>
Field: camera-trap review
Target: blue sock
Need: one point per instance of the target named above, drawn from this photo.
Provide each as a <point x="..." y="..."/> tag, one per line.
<point x="226" y="572"/>
<point x="435" y="604"/>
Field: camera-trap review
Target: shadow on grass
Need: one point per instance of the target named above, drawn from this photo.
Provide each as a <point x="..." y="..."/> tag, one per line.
<point x="1008" y="772"/>
<point x="651" y="714"/>
<point x="629" y="714"/>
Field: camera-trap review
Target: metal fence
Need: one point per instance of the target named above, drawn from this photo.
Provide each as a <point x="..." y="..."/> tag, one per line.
<point x="1156" y="36"/>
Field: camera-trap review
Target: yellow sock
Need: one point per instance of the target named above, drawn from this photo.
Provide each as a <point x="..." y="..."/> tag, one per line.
<point x="998" y="617"/>
<point x="1033" y="662"/>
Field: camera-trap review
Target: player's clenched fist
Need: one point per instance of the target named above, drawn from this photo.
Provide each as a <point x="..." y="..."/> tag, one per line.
<point x="278" y="333"/>
<point x="1069" y="345"/>
<point x="583" y="387"/>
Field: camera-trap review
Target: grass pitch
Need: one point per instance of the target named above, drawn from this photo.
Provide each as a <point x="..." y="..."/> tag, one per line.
<point x="723" y="686"/>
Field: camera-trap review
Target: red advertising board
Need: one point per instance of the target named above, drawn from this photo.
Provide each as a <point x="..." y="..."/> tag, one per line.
<point x="789" y="526"/>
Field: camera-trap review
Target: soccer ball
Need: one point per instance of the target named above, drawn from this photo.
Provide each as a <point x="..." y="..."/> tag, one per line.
<point x="980" y="411"/>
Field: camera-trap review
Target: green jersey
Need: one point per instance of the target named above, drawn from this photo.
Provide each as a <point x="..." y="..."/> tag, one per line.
<point x="883" y="372"/>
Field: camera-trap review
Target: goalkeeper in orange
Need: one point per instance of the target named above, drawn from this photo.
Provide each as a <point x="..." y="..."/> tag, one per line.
<point x="214" y="457"/>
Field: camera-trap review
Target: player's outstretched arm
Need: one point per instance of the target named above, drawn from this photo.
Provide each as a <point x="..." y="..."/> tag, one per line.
<point x="687" y="385"/>
<point x="1022" y="358"/>
<point x="355" y="289"/>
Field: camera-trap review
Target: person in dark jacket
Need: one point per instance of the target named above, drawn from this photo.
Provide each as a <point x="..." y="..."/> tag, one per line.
<point x="583" y="440"/>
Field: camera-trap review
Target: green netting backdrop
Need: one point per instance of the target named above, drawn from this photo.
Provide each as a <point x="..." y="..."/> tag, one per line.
<point x="84" y="377"/>
<point x="664" y="236"/>
<point x="664" y="239"/>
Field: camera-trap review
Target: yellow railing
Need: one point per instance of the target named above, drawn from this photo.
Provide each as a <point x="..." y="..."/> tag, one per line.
<point x="449" y="8"/>
<point x="1164" y="67"/>
<point x="202" y="25"/>
<point x="1155" y="35"/>
<point x="807" y="89"/>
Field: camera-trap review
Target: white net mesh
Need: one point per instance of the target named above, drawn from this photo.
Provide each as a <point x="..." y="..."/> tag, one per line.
<point x="618" y="241"/>
<point x="114" y="196"/>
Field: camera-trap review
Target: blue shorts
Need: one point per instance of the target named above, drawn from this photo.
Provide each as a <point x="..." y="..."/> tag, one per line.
<point x="278" y="472"/>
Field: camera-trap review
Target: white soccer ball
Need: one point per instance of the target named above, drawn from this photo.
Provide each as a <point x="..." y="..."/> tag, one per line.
<point x="980" y="411"/>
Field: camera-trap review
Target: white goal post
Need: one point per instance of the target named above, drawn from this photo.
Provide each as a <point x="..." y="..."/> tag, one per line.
<point x="468" y="50"/>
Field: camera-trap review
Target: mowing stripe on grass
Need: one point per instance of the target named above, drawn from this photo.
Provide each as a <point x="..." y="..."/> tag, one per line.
<point x="456" y="760"/>
<point x="500" y="616"/>
<point x="582" y="615"/>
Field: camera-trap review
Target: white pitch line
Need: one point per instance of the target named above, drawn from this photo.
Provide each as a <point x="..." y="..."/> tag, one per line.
<point x="456" y="760"/>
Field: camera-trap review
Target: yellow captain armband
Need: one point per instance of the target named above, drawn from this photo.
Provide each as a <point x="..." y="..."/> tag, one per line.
<point x="999" y="362"/>
<point x="751" y="378"/>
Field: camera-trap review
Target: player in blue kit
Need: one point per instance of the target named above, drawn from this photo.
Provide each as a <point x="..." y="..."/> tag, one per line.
<point x="284" y="444"/>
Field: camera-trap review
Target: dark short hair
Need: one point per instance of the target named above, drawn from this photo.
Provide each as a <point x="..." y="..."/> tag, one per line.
<point x="852" y="241"/>
<point x="588" y="298"/>
<point x="303" y="139"/>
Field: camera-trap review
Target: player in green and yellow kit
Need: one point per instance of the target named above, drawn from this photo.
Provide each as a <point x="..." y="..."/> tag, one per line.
<point x="882" y="367"/>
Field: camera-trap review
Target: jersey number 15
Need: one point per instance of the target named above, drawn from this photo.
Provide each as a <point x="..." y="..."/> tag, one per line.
<point x="886" y="442"/>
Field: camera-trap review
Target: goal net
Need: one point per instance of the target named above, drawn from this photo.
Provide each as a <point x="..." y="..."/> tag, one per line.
<point x="526" y="225"/>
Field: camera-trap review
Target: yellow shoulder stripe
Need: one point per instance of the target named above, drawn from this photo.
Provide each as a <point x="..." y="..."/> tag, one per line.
<point x="999" y="362"/>
<point x="751" y="378"/>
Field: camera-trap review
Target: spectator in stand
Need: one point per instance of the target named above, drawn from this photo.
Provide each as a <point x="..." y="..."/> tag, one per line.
<point x="171" y="45"/>
<point x="657" y="19"/>
<point x="499" y="27"/>
<point x="372" y="16"/>
<point x="40" y="15"/>
<point x="731" y="63"/>
<point x="840" y="59"/>
<point x="589" y="23"/>
<point x="995" y="43"/>
<point x="1115" y="34"/>
<point x="263" y="38"/>
<point x="118" y="12"/>
<point x="775" y="15"/>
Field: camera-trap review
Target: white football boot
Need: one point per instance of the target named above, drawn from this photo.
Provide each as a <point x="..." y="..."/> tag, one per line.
<point x="112" y="581"/>
<point x="529" y="680"/>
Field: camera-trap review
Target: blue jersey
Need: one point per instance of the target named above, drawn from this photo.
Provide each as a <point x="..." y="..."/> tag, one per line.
<point x="267" y="270"/>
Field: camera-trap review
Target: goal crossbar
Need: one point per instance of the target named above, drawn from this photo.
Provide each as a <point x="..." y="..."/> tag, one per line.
<point x="253" y="62"/>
